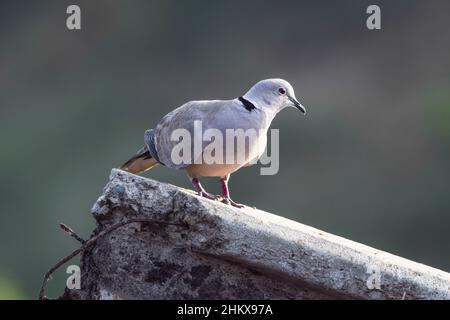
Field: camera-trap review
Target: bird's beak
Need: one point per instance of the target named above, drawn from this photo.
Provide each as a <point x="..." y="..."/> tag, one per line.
<point x="298" y="105"/>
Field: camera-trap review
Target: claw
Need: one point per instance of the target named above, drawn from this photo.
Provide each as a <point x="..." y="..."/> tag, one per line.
<point x="208" y="195"/>
<point x="225" y="198"/>
<point x="232" y="203"/>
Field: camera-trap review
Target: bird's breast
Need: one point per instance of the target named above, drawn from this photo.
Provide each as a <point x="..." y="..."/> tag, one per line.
<point x="211" y="170"/>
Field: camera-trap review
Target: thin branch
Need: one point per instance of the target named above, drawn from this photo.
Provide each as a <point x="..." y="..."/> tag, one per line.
<point x="87" y="244"/>
<point x="71" y="233"/>
<point x="54" y="268"/>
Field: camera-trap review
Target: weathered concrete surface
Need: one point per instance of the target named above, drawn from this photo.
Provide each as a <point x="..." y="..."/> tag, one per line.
<point x="224" y="252"/>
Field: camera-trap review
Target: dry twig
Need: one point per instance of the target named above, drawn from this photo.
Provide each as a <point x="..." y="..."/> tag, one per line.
<point x="86" y="244"/>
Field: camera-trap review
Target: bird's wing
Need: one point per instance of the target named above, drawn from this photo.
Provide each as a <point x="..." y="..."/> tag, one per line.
<point x="215" y="114"/>
<point x="183" y="118"/>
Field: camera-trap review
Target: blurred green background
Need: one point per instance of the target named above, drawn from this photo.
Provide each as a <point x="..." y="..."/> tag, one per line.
<point x="370" y="161"/>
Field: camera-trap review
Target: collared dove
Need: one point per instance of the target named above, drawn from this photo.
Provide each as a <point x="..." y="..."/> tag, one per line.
<point x="254" y="110"/>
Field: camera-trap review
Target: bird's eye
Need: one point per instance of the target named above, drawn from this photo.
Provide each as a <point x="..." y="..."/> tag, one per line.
<point x="282" y="91"/>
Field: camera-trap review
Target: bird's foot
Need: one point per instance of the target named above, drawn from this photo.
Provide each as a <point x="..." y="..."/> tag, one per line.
<point x="227" y="200"/>
<point x="209" y="195"/>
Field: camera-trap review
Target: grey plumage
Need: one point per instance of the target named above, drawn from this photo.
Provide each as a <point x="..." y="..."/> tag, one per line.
<point x="254" y="110"/>
<point x="220" y="115"/>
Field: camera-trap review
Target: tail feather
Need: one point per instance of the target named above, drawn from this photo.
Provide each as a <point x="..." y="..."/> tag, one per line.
<point x="140" y="162"/>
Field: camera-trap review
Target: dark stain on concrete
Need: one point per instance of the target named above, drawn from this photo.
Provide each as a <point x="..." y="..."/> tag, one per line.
<point x="163" y="271"/>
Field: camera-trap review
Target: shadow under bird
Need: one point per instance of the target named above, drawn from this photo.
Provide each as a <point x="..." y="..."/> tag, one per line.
<point x="255" y="110"/>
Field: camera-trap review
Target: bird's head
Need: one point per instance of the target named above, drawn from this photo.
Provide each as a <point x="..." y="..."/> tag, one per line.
<point x="273" y="95"/>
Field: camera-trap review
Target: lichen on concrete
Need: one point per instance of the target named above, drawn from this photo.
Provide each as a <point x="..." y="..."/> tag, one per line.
<point x="221" y="252"/>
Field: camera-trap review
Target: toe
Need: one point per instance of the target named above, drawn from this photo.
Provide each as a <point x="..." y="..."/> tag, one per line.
<point x="232" y="203"/>
<point x="237" y="205"/>
<point x="210" y="196"/>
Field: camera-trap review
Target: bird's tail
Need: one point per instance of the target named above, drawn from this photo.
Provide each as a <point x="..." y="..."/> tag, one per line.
<point x="140" y="162"/>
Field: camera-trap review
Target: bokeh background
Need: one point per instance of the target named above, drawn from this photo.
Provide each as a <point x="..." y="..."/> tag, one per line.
<point x="370" y="161"/>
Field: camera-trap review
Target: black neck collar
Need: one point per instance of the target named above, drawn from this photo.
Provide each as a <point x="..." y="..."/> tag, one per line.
<point x="247" y="104"/>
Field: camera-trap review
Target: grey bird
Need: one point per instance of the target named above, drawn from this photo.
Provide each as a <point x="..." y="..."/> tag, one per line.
<point x="255" y="110"/>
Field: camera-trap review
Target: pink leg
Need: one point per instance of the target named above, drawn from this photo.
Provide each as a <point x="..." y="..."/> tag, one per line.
<point x="201" y="191"/>
<point x="226" y="193"/>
